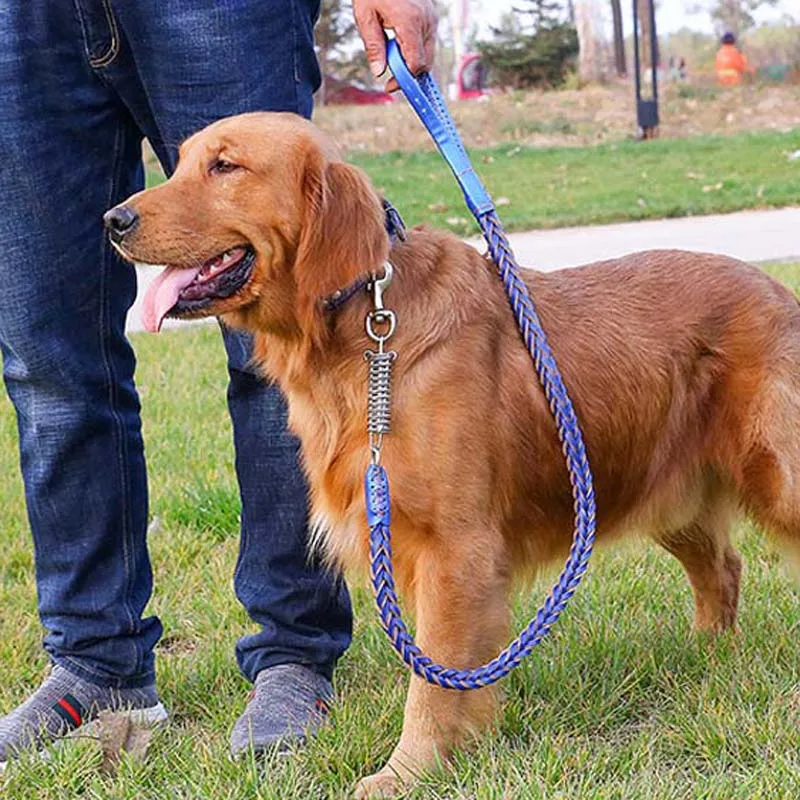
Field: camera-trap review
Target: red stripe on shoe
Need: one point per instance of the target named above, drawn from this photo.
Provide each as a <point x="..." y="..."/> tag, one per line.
<point x="322" y="706"/>
<point x="76" y="717"/>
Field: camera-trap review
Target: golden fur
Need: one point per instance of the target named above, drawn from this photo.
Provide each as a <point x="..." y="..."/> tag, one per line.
<point x="683" y="369"/>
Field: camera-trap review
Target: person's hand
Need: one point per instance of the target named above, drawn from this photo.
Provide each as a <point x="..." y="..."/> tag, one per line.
<point x="414" y="25"/>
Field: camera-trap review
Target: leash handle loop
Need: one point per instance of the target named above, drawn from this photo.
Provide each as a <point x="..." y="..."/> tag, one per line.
<point x="427" y="101"/>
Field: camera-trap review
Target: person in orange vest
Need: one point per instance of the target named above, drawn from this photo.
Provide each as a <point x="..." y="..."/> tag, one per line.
<point x="730" y="63"/>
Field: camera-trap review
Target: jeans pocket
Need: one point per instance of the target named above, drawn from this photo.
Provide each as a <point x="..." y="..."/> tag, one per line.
<point x="101" y="37"/>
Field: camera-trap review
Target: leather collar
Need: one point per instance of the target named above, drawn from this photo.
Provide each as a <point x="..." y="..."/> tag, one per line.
<point x="396" y="229"/>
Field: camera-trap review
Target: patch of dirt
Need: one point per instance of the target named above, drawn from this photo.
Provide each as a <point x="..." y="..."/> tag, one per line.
<point x="177" y="645"/>
<point x="570" y="117"/>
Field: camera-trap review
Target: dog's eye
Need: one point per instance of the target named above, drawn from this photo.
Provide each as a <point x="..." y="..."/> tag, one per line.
<point x="221" y="166"/>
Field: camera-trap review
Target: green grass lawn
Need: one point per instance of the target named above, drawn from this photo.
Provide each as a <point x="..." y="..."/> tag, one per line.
<point x="556" y="187"/>
<point x="553" y="188"/>
<point x="622" y="701"/>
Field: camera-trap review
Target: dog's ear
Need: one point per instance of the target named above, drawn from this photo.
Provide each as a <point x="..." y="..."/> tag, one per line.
<point x="343" y="235"/>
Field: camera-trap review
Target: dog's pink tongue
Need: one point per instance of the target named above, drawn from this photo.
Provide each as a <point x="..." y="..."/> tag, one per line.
<point x="163" y="293"/>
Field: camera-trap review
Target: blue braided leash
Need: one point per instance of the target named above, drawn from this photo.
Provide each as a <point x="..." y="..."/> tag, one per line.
<point x="427" y="101"/>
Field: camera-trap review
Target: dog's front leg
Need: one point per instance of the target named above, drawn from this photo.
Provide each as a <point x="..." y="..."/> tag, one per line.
<point x="460" y="592"/>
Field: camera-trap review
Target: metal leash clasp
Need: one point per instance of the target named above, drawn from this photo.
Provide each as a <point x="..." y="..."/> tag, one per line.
<point x="381" y="323"/>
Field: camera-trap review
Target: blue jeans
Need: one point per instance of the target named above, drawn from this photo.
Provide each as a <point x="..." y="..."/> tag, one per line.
<point x="81" y="81"/>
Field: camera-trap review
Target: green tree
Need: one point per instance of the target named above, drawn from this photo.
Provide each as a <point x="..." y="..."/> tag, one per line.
<point x="735" y="16"/>
<point x="524" y="55"/>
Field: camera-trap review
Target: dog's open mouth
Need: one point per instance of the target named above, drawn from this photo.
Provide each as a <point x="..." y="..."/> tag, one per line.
<point x="179" y="291"/>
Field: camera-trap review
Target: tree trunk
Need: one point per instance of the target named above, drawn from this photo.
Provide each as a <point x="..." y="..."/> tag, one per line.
<point x="322" y="92"/>
<point x="644" y="35"/>
<point x="571" y="11"/>
<point x="619" y="39"/>
<point x="588" y="22"/>
<point x="458" y="21"/>
<point x="731" y="13"/>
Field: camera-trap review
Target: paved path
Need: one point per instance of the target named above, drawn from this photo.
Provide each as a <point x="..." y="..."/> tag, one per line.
<point x="749" y="235"/>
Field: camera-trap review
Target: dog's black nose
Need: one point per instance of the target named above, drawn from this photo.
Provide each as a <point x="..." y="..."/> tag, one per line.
<point x="119" y="221"/>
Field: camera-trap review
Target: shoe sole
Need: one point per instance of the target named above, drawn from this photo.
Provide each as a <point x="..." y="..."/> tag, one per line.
<point x="142" y="717"/>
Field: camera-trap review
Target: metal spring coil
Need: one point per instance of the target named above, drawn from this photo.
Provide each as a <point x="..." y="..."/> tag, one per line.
<point x="379" y="414"/>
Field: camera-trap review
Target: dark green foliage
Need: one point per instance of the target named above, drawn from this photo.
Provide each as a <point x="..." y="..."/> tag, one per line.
<point x="524" y="60"/>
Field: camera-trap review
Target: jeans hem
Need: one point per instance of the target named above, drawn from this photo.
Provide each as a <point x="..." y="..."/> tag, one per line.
<point x="76" y="668"/>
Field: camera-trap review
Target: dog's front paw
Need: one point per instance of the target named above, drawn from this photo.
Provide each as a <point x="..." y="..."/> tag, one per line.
<point x="386" y="783"/>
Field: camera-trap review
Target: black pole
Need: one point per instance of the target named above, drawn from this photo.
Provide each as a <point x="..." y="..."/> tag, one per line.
<point x="636" y="60"/>
<point x="646" y="110"/>
<point x="654" y="55"/>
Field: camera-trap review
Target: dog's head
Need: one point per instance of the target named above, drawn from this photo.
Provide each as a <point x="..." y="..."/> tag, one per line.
<point x="259" y="223"/>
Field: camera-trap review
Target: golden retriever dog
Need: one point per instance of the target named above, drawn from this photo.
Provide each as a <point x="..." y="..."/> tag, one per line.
<point x="684" y="370"/>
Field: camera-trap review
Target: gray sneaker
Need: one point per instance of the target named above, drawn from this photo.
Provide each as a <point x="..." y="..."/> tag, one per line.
<point x="288" y="703"/>
<point x="65" y="703"/>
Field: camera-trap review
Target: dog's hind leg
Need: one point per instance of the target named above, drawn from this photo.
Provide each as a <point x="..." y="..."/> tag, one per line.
<point x="771" y="471"/>
<point x="712" y="565"/>
<point x="460" y="592"/>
